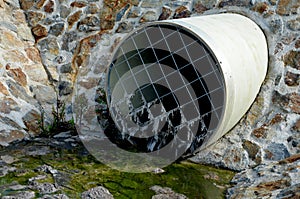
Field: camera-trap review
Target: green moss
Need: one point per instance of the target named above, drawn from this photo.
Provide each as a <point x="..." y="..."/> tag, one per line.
<point x="192" y="180"/>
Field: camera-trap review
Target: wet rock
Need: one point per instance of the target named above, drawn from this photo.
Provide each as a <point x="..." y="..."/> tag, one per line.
<point x="57" y="29"/>
<point x="292" y="59"/>
<point x="148" y="16"/>
<point x="165" y="193"/>
<point x="97" y="192"/>
<point x="165" y="13"/>
<point x="275" y="151"/>
<point x="291" y="79"/>
<point x="294" y="24"/>
<point x="72" y="19"/>
<point x="225" y="3"/>
<point x="286" y="7"/>
<point x="39" y="31"/>
<point x="181" y="12"/>
<point x="21" y="195"/>
<point x="49" y="7"/>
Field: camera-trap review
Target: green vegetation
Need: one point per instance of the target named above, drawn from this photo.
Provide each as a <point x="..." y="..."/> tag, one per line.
<point x="84" y="172"/>
<point x="59" y="123"/>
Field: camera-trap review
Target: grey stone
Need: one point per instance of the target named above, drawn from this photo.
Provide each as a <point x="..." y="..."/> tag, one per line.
<point x="151" y="4"/>
<point x="33" y="151"/>
<point x="55" y="196"/>
<point x="65" y="88"/>
<point x="124" y="27"/>
<point x="5" y="170"/>
<point x="276" y="151"/>
<point x="294" y="24"/>
<point x="66" y="68"/>
<point x="149" y="16"/>
<point x="224" y="3"/>
<point x="64" y="11"/>
<point x="44" y="188"/>
<point x="97" y="193"/>
<point x="21" y="195"/>
<point x="44" y="94"/>
<point x="165" y="193"/>
<point x="9" y="26"/>
<point x="206" y="3"/>
<point x="122" y="12"/>
<point x="57" y="29"/>
<point x="7" y="159"/>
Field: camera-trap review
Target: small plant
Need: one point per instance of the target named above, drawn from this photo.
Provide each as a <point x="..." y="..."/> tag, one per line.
<point x="59" y="123"/>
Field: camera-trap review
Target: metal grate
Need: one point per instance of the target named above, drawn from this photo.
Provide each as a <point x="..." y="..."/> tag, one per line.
<point x="164" y="84"/>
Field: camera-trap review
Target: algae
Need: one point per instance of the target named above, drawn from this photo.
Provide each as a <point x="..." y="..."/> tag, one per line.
<point x="82" y="172"/>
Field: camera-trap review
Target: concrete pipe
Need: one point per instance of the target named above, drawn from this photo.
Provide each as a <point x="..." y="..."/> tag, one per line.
<point x="184" y="82"/>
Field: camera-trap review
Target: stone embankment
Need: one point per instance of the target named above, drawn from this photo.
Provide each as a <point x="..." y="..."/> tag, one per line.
<point x="50" y="47"/>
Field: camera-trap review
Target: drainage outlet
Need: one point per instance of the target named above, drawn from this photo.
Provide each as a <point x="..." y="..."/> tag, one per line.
<point x="184" y="82"/>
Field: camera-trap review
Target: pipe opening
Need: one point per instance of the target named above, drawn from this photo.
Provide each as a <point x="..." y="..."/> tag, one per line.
<point x="164" y="86"/>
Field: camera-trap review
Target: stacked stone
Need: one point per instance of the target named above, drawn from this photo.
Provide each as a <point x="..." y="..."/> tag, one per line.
<point x="24" y="85"/>
<point x="75" y="40"/>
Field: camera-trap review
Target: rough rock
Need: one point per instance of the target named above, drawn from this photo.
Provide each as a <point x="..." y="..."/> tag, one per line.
<point x="21" y="195"/>
<point x="165" y="193"/>
<point x="97" y="192"/>
<point x="273" y="180"/>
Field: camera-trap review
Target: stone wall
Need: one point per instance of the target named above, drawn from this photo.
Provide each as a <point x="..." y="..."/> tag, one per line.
<point x="48" y="48"/>
<point x="72" y="39"/>
<point x="24" y="87"/>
